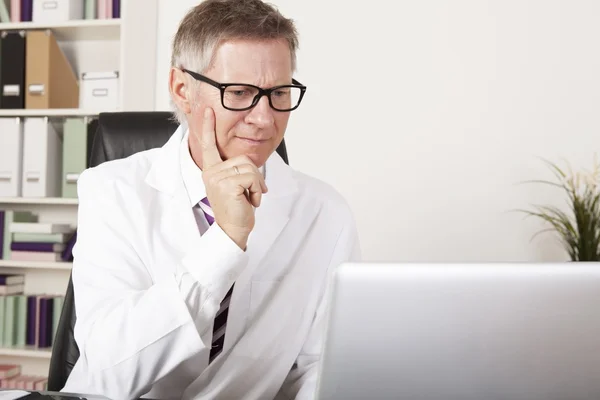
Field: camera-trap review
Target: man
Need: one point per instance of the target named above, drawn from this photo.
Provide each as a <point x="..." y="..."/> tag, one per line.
<point x="201" y="267"/>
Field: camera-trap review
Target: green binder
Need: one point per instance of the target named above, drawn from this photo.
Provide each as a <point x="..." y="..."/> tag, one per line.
<point x="75" y="144"/>
<point x="10" y="320"/>
<point x="2" y="313"/>
<point x="21" y="320"/>
<point x="90" y="9"/>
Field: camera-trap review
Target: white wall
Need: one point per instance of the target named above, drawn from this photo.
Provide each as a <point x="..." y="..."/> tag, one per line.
<point x="425" y="115"/>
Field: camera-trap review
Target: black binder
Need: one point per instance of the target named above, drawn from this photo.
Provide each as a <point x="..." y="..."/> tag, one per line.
<point x="12" y="70"/>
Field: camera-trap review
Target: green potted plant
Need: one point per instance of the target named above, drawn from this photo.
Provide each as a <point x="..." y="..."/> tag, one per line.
<point x="579" y="226"/>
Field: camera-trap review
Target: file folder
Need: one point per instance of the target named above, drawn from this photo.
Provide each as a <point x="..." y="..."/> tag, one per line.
<point x="90" y="9"/>
<point x="77" y="141"/>
<point x="12" y="70"/>
<point x="42" y="159"/>
<point x="50" y="81"/>
<point x="11" y="157"/>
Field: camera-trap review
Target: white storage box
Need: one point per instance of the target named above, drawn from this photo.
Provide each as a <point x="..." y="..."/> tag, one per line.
<point x="99" y="91"/>
<point x="51" y="11"/>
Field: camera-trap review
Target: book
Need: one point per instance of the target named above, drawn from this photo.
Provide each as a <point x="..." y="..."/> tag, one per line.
<point x="45" y="321"/>
<point x="116" y="8"/>
<point x="8" y="371"/>
<point x="90" y="9"/>
<point x="8" y="215"/>
<point x="31" y="318"/>
<point x="2" y="313"/>
<point x="21" y="320"/>
<point x="11" y="217"/>
<point x="11" y="279"/>
<point x="37" y="256"/>
<point x="36" y="246"/>
<point x="9" y="321"/>
<point x="15" y="10"/>
<point x="40" y="237"/>
<point x="26" y="10"/>
<point x="67" y="254"/>
<point x="4" y="14"/>
<point x="2" y="213"/>
<point x="36" y="227"/>
<point x="58" y="304"/>
<point x="11" y="289"/>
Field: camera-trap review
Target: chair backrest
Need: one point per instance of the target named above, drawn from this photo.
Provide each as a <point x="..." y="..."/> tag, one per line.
<point x="118" y="135"/>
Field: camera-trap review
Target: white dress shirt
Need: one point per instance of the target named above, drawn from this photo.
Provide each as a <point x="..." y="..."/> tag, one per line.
<point x="149" y="277"/>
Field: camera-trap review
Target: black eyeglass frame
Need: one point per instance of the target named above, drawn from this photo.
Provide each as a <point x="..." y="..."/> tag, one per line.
<point x="261" y="92"/>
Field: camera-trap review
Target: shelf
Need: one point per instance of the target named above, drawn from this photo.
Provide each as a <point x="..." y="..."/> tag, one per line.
<point x="30" y="352"/>
<point x="61" y="266"/>
<point x="50" y="201"/>
<point x="93" y="29"/>
<point x="52" y="112"/>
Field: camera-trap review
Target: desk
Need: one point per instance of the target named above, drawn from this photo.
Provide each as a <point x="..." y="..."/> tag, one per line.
<point x="53" y="395"/>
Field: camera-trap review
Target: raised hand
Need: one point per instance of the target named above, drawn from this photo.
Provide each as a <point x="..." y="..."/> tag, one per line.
<point x="234" y="187"/>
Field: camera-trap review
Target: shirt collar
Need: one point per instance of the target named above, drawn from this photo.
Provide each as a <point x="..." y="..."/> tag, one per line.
<point x="192" y="174"/>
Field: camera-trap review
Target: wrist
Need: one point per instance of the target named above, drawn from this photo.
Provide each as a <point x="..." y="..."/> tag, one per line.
<point x="238" y="236"/>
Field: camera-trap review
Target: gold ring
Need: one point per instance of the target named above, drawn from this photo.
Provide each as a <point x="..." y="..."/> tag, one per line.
<point x="237" y="171"/>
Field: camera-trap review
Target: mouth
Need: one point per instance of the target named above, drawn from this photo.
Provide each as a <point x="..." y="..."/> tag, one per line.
<point x="253" y="142"/>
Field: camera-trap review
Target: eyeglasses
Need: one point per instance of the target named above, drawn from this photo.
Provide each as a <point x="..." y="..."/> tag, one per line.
<point x="242" y="96"/>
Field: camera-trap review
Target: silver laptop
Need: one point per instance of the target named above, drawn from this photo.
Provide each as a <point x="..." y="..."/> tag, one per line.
<point x="463" y="331"/>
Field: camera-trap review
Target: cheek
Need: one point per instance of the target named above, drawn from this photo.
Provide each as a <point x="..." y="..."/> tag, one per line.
<point x="281" y="122"/>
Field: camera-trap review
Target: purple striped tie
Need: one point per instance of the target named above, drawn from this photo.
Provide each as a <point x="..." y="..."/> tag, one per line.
<point x="221" y="318"/>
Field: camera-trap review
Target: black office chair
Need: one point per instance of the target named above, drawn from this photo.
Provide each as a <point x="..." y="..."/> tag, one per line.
<point x="118" y="135"/>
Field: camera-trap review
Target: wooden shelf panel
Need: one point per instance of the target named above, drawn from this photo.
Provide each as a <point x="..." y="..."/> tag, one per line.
<point x="61" y="266"/>
<point x="29" y="352"/>
<point x="94" y="29"/>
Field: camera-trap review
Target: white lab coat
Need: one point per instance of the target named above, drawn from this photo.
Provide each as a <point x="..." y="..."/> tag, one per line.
<point x="148" y="285"/>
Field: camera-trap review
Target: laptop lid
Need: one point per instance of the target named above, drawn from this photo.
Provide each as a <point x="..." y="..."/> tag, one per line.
<point x="463" y="331"/>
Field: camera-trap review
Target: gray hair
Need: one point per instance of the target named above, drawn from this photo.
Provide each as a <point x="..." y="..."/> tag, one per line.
<point x="213" y="22"/>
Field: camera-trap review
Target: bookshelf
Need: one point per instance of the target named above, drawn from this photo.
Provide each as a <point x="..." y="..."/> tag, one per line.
<point x="25" y="352"/>
<point x="54" y="201"/>
<point x="101" y="29"/>
<point x="59" y="266"/>
<point x="127" y="45"/>
<point x="53" y="112"/>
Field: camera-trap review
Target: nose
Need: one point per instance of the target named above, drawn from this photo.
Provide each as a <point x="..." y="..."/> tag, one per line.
<point x="262" y="114"/>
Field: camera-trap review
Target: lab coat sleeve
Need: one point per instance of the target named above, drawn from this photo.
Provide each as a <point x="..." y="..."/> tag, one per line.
<point x="301" y="382"/>
<point x="133" y="329"/>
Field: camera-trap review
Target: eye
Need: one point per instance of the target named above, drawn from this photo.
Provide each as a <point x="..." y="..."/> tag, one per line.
<point x="281" y="92"/>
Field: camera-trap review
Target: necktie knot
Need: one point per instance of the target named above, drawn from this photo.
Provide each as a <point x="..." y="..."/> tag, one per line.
<point x="208" y="213"/>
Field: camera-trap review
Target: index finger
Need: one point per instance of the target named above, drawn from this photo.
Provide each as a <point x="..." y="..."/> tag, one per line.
<point x="210" y="153"/>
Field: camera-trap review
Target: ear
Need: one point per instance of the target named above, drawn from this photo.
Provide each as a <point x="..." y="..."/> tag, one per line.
<point x="180" y="89"/>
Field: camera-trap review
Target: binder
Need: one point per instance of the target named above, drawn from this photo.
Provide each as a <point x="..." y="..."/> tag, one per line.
<point x="15" y="10"/>
<point x="101" y="9"/>
<point x="11" y="157"/>
<point x="26" y="10"/>
<point x="50" y="81"/>
<point x="77" y="140"/>
<point x="90" y="9"/>
<point x="12" y="70"/>
<point x="4" y="14"/>
<point x="42" y="159"/>
<point x="116" y="9"/>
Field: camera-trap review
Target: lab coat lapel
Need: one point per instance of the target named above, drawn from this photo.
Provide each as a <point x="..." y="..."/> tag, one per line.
<point x="177" y="224"/>
<point x="270" y="219"/>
